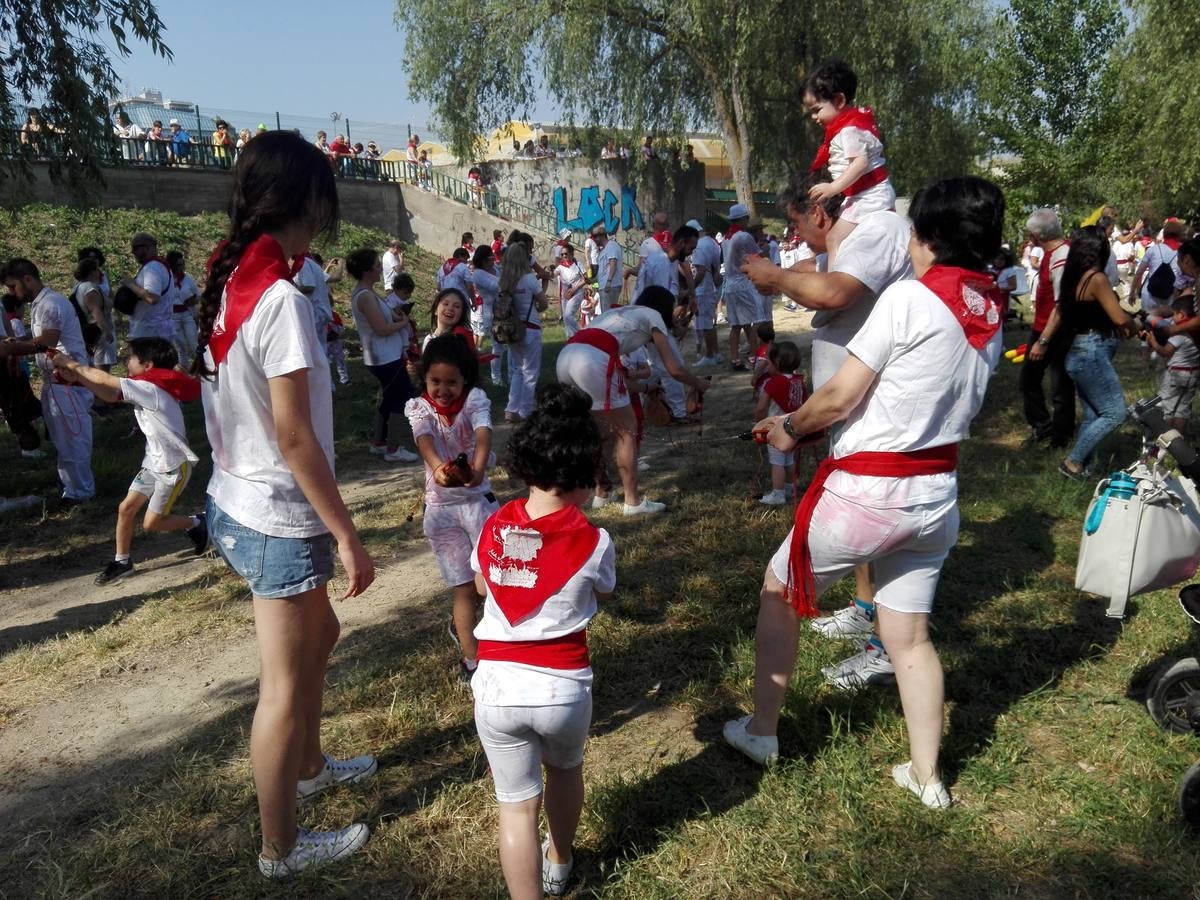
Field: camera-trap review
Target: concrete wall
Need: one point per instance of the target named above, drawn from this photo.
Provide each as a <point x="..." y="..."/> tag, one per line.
<point x="581" y="193"/>
<point x="437" y="224"/>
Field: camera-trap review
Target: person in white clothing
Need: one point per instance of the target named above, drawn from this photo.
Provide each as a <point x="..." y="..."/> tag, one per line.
<point x="1158" y="254"/>
<point x="66" y="408"/>
<point x="311" y="281"/>
<point x="525" y="356"/>
<point x="393" y="263"/>
<point x="661" y="269"/>
<point x="187" y="294"/>
<point x="887" y="494"/>
<point x="99" y="309"/>
<point x="707" y="279"/>
<point x="852" y="150"/>
<point x="542" y="569"/>
<point x="452" y="424"/>
<point x="485" y="279"/>
<point x="609" y="268"/>
<point x="591" y="253"/>
<point x="571" y="284"/>
<point x="155" y="290"/>
<point x="742" y="305"/>
<point x="274" y="510"/>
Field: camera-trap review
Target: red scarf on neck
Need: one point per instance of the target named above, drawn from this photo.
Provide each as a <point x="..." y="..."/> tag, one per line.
<point x="450" y="265"/>
<point x="971" y="297"/>
<point x="262" y="264"/>
<point x="733" y="229"/>
<point x="525" y="562"/>
<point x="1173" y="242"/>
<point x="850" y="117"/>
<point x="447" y="412"/>
<point x="181" y="386"/>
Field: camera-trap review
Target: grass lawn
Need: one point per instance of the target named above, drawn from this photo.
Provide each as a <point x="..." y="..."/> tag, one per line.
<point x="1065" y="787"/>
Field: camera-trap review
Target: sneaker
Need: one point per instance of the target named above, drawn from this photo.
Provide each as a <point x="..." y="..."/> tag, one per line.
<point x="856" y="620"/>
<point x="465" y="674"/>
<point x="400" y="455"/>
<point x="1071" y="473"/>
<point x="336" y="771"/>
<point x="315" y="848"/>
<point x="871" y="666"/>
<point x="790" y="307"/>
<point x="774" y="498"/>
<point x="377" y="449"/>
<point x="645" y="508"/>
<point x="199" y="534"/>
<point x="33" y="454"/>
<point x="934" y="794"/>
<point x="599" y="502"/>
<point x="554" y="875"/>
<point x="763" y="750"/>
<point x="113" y="571"/>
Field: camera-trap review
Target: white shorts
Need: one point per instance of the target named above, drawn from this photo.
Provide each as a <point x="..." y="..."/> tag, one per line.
<point x="706" y="311"/>
<point x="906" y="546"/>
<point x="766" y="308"/>
<point x="742" y="305"/>
<point x="453" y="529"/>
<point x="163" y="488"/>
<point x="879" y="198"/>
<point x="519" y="739"/>
<point x="586" y="367"/>
<point x="780" y="458"/>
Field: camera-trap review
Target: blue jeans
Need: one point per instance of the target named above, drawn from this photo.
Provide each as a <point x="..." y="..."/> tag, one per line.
<point x="1090" y="364"/>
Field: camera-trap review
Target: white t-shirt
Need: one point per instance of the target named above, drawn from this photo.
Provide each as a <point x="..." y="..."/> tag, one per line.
<point x="632" y="326"/>
<point x="735" y="250"/>
<point x="851" y="143"/>
<point x="186" y="290"/>
<point x="459" y="279"/>
<point x="391" y="268"/>
<point x="658" y="269"/>
<point x="527" y="288"/>
<point x="591" y="251"/>
<point x="569" y="278"/>
<point x="377" y="349"/>
<point x="488" y="286"/>
<point x="706" y="263"/>
<point x="451" y="440"/>
<point x="1018" y="275"/>
<point x="160" y="418"/>
<point x="251" y="480"/>
<point x="312" y="276"/>
<point x="612" y="250"/>
<point x="1156" y="255"/>
<point x="930" y="386"/>
<point x="1186" y="355"/>
<point x="498" y="683"/>
<point x="149" y="317"/>
<point x="876" y="254"/>
<point x="53" y="310"/>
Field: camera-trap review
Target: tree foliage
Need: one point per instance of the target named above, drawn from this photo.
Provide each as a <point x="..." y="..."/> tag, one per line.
<point x="652" y="66"/>
<point x="55" y="58"/>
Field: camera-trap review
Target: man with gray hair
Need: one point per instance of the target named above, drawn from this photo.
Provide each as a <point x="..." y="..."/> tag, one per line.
<point x="1045" y="229"/>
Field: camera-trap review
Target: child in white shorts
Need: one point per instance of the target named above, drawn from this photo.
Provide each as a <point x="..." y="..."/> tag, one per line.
<point x="782" y="391"/>
<point x="154" y="389"/>
<point x="452" y="427"/>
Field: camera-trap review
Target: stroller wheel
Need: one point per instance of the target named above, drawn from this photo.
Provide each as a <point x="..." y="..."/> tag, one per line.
<point x="1189" y="599"/>
<point x="1169" y="703"/>
<point x="1188" y="796"/>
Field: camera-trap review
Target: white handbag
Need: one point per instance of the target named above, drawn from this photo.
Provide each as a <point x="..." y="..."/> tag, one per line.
<point x="1142" y="533"/>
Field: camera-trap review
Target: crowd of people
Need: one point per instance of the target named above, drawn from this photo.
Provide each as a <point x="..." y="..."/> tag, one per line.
<point x="908" y="315"/>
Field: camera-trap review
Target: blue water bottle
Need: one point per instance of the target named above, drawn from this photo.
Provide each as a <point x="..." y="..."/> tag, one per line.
<point x="1121" y="486"/>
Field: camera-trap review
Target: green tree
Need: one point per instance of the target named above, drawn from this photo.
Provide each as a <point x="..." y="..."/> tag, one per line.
<point x="653" y="66"/>
<point x="56" y="59"/>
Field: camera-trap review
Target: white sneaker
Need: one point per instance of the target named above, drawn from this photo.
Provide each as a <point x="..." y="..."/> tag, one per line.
<point x="401" y="455"/>
<point x="555" y="875"/>
<point x="853" y="621"/>
<point x="643" y="464"/>
<point x="871" y="666"/>
<point x="377" y="449"/>
<point x="763" y="750"/>
<point x="599" y="502"/>
<point x="934" y="794"/>
<point x="33" y="454"/>
<point x="774" y="498"/>
<point x="645" y="508"/>
<point x="315" y="848"/>
<point x="336" y="771"/>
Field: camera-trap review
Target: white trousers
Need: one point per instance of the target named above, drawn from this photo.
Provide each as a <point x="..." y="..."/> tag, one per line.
<point x="525" y="363"/>
<point x="67" y="410"/>
<point x="184" y="341"/>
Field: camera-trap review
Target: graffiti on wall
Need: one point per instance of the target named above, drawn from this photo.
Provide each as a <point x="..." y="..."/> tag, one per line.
<point x="610" y="211"/>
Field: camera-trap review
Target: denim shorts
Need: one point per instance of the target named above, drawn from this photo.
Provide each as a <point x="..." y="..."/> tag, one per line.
<point x="275" y="567"/>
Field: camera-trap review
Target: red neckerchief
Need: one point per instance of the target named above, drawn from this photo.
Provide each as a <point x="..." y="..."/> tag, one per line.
<point x="180" y="385"/>
<point x="801" y="584"/>
<point x="525" y="562"/>
<point x="734" y="228"/>
<point x="850" y="117"/>
<point x="1173" y="242"/>
<point x="450" y="265"/>
<point x="970" y="296"/>
<point x="447" y="412"/>
<point x="262" y="264"/>
<point x="178" y="278"/>
<point x="788" y="391"/>
<point x="664" y="238"/>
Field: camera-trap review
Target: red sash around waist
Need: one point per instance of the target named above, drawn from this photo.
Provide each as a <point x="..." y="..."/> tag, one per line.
<point x="567" y="652"/>
<point x="606" y="343"/>
<point x="868" y="181"/>
<point x="801" y="586"/>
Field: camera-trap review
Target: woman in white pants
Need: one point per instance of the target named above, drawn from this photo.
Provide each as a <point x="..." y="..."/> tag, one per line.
<point x="525" y="356"/>
<point x="485" y="278"/>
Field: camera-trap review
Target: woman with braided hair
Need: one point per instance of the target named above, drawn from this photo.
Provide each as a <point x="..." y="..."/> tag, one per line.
<point x="274" y="510"/>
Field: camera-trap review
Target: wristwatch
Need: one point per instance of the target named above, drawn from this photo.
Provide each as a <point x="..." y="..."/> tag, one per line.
<point x="788" y="429"/>
<point x="1042" y="342"/>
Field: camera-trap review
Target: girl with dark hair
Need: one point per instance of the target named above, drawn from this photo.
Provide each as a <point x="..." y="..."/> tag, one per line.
<point x="452" y="424"/>
<point x="385" y="333"/>
<point x="274" y="510"/>
<point x="525" y="356"/>
<point x="541" y="567"/>
<point x="591" y="361"/>
<point x="1090" y="318"/>
<point x="928" y="347"/>
<point x="485" y="278"/>
<point x="450" y="314"/>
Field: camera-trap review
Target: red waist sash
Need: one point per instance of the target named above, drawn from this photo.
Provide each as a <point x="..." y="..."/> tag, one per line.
<point x="567" y="652"/>
<point x="872" y="178"/>
<point x="606" y="343"/>
<point x="801" y="586"/>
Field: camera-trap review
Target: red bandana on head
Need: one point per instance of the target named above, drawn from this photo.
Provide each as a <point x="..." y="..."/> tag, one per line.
<point x="262" y="264"/>
<point x="971" y="296"/>
<point x="850" y="117"/>
<point x="788" y="391"/>
<point x="525" y="562"/>
<point x="181" y="386"/>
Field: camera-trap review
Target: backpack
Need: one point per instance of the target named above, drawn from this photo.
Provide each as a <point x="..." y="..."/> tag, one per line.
<point x="1161" y="284"/>
<point x="89" y="330"/>
<point x="507" y="325"/>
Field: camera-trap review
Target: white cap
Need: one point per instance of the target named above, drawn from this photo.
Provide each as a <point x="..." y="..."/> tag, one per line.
<point x="173" y="122"/>
<point x="695" y="223"/>
<point x="738" y="211"/>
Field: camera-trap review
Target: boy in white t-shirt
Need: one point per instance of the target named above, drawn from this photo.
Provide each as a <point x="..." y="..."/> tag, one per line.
<point x="155" y="389"/>
<point x="1182" y="374"/>
<point x="852" y="150"/>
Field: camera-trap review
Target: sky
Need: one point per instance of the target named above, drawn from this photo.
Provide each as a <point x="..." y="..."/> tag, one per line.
<point x="300" y="57"/>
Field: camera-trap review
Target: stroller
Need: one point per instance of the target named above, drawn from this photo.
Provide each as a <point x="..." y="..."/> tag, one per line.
<point x="1173" y="692"/>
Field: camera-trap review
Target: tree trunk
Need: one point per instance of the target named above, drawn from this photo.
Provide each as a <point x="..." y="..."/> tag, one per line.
<point x="739" y="164"/>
